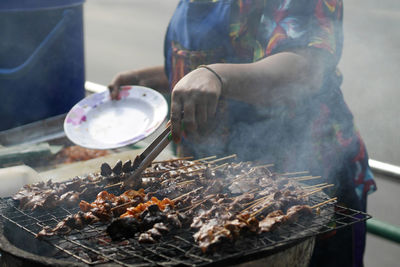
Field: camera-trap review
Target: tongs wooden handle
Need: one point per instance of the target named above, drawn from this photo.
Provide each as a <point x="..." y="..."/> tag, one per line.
<point x="150" y="153"/>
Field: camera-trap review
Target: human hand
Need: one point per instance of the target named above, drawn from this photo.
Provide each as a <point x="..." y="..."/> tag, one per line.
<point x="122" y="78"/>
<point x="194" y="102"/>
<point x="153" y="77"/>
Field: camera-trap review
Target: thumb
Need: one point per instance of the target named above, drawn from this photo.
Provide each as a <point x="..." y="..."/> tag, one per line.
<point x="114" y="90"/>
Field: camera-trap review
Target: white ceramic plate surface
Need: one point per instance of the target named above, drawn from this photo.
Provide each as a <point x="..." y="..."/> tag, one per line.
<point x="101" y="123"/>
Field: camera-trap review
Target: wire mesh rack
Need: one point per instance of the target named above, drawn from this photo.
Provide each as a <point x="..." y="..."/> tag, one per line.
<point x="92" y="245"/>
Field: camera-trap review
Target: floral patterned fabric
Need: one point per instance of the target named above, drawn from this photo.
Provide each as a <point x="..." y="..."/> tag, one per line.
<point x="314" y="133"/>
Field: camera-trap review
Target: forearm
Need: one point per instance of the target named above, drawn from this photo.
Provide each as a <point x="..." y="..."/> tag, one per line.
<point x="155" y="77"/>
<point x="282" y="77"/>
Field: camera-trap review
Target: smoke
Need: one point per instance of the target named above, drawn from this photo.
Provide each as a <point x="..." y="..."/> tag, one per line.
<point x="370" y="66"/>
<point x="301" y="137"/>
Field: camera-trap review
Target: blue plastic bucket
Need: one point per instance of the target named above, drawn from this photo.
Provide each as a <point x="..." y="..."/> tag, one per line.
<point x="42" y="72"/>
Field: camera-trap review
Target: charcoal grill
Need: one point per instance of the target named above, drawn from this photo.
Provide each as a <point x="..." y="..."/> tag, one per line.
<point x="92" y="246"/>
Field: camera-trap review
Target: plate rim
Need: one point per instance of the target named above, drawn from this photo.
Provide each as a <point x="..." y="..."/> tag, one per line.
<point x="69" y="126"/>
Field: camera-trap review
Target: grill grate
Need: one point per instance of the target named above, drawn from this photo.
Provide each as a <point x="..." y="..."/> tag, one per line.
<point x="92" y="245"/>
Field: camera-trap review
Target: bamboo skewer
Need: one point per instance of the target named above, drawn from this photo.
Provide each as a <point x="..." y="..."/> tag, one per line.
<point x="123" y="205"/>
<point x="259" y="201"/>
<point x="317" y="190"/>
<point x="198" y="203"/>
<point x="204" y="159"/>
<point x="186" y="182"/>
<point x="221" y="159"/>
<point x="192" y="171"/>
<point x="312" y="186"/>
<point x="264" y="166"/>
<point x="171" y="160"/>
<point x="113" y="185"/>
<point x="294" y="173"/>
<point x="299" y="177"/>
<point x="186" y="194"/>
<point x="260" y="210"/>
<point x="251" y="191"/>
<point x="219" y="166"/>
<point x="323" y="203"/>
<point x="306" y="178"/>
<point x="164" y="171"/>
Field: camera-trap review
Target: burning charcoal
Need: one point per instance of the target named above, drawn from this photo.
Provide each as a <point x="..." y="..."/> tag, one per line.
<point x="105" y="169"/>
<point x="146" y="238"/>
<point x="127" y="167"/>
<point x="123" y="228"/>
<point x="117" y="168"/>
<point x="153" y="209"/>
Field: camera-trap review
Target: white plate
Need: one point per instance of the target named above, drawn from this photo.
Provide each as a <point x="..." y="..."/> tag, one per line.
<point x="101" y="123"/>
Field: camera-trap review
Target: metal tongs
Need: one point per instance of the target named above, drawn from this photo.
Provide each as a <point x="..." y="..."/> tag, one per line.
<point x="151" y="152"/>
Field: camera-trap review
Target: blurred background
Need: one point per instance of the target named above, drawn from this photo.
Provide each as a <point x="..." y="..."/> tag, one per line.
<point x="129" y="34"/>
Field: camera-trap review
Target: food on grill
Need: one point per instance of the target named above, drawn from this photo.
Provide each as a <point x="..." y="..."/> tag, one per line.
<point x="104" y="208"/>
<point x="49" y="195"/>
<point x="150" y="222"/>
<point x="214" y="202"/>
<point x="105" y="169"/>
<point x="276" y="218"/>
<point x="151" y="204"/>
<point x="75" y="221"/>
<point x="77" y="153"/>
<point x="107" y="205"/>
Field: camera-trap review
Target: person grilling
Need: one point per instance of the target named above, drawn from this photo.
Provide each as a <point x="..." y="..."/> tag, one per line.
<point x="260" y="79"/>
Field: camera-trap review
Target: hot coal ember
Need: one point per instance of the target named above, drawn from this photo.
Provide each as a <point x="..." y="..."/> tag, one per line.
<point x="147" y="221"/>
<point x="103" y="209"/>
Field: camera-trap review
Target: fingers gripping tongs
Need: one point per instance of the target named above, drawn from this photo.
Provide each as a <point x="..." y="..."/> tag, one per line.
<point x="151" y="152"/>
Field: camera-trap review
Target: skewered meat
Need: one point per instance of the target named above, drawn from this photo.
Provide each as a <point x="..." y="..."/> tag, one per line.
<point x="74" y="221"/>
<point x="127" y="167"/>
<point x="272" y="221"/>
<point x="105" y="169"/>
<point x="276" y="218"/>
<point x="210" y="201"/>
<point x="49" y="195"/>
<point x="151" y="205"/>
<point x="104" y="208"/>
<point x="117" y="168"/>
<point x="77" y="153"/>
<point x="146" y="238"/>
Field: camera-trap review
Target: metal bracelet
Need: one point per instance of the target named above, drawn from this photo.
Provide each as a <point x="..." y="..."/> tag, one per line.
<point x="213" y="71"/>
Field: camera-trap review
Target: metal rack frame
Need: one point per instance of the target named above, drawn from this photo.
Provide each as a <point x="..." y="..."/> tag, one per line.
<point x="92" y="246"/>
